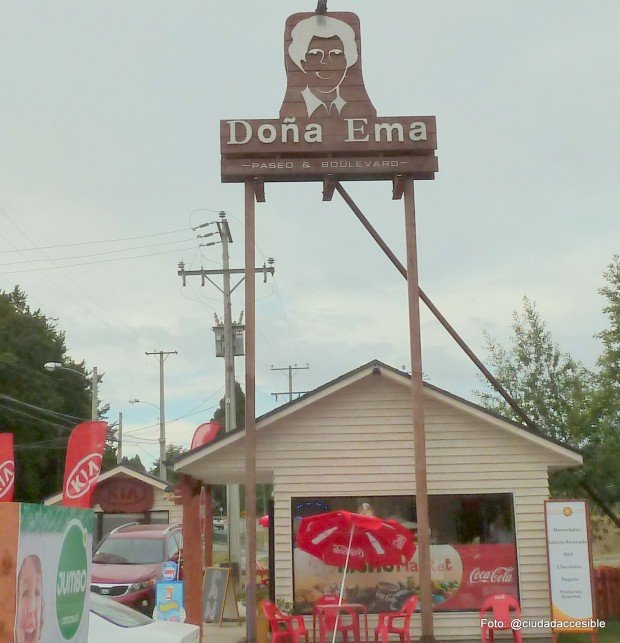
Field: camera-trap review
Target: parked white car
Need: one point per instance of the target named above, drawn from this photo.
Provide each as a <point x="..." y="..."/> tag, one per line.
<point x="113" y="622"/>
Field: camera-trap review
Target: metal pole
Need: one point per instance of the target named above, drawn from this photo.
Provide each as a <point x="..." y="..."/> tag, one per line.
<point x="94" y="413"/>
<point x="250" y="413"/>
<point x="119" y="451"/>
<point x="228" y="352"/>
<point x="162" y="411"/>
<point x="233" y="508"/>
<point x="290" y="383"/>
<point x="417" y="401"/>
<point x="162" y="420"/>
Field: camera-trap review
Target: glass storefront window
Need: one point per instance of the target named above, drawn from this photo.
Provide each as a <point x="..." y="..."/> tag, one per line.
<point x="473" y="553"/>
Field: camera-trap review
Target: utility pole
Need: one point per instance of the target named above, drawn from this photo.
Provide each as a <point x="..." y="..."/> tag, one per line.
<point x="94" y="407"/>
<point x="290" y="370"/>
<point x="119" y="450"/>
<point x="230" y="402"/>
<point x="162" y="413"/>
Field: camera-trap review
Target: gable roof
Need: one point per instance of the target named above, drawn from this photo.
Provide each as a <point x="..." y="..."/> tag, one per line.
<point x="121" y="469"/>
<point x="402" y="378"/>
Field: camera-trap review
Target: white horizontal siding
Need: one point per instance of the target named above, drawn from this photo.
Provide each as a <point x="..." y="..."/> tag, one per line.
<point x="359" y="441"/>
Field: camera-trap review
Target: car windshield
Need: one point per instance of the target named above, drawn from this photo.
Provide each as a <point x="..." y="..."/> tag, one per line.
<point x="117" y="613"/>
<point x="130" y="551"/>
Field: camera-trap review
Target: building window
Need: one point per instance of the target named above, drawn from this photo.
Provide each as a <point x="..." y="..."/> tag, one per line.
<point x="473" y="553"/>
<point x="158" y="517"/>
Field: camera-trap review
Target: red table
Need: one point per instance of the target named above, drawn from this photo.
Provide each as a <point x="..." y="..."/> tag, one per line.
<point x="319" y="610"/>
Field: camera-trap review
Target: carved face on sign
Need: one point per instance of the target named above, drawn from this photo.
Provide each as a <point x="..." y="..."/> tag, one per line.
<point x="323" y="48"/>
<point x="320" y="52"/>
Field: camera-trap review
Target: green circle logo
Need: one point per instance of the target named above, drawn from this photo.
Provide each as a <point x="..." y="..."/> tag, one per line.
<point x="71" y="581"/>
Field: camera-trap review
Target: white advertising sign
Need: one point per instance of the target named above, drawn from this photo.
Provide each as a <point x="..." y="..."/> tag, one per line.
<point x="570" y="567"/>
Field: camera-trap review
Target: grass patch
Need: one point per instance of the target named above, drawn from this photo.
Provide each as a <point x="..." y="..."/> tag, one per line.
<point x="609" y="634"/>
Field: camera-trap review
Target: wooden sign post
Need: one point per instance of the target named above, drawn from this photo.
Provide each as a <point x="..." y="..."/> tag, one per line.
<point x="219" y="602"/>
<point x="328" y="131"/>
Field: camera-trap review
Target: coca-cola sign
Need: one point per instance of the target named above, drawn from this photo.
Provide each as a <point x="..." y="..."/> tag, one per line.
<point x="463" y="577"/>
<point x="497" y="575"/>
<point x="80" y="478"/>
<point x="355" y="552"/>
<point x="7" y="477"/>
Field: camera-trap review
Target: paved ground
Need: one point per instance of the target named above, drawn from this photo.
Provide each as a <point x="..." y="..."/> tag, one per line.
<point x="233" y="633"/>
<point x="227" y="633"/>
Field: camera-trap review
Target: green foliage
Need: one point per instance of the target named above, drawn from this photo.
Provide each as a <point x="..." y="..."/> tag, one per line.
<point x="173" y="451"/>
<point x="568" y="402"/>
<point x="40" y="408"/>
<point x="284" y="606"/>
<point x="135" y="463"/>
<point x="220" y="412"/>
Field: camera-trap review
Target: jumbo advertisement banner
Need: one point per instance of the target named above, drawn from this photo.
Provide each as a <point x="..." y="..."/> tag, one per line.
<point x="83" y="463"/>
<point x="45" y="596"/>
<point x="7" y="467"/>
<point x="463" y="576"/>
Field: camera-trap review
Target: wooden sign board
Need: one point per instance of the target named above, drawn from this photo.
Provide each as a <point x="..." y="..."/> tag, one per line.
<point x="123" y="494"/>
<point x="219" y="602"/>
<point x="570" y="566"/>
<point x="327" y="124"/>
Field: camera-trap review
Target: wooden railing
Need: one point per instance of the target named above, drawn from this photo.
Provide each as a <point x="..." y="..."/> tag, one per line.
<point x="607" y="587"/>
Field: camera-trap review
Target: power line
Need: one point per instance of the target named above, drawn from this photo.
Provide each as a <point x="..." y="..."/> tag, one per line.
<point x="43" y="409"/>
<point x="89" y="263"/>
<point x="8" y="409"/>
<point x="87" y="243"/>
<point x="290" y="391"/>
<point x="96" y="254"/>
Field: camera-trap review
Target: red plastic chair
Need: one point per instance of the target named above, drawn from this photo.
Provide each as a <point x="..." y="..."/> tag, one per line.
<point x="500" y="606"/>
<point x="262" y="575"/>
<point x="386" y="621"/>
<point x="284" y="625"/>
<point x="348" y="619"/>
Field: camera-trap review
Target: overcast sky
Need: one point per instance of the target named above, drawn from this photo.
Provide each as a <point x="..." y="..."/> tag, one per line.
<point x="109" y="129"/>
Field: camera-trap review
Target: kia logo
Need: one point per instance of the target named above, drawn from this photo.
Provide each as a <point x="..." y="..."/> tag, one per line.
<point x="85" y="472"/>
<point x="105" y="590"/>
<point x="7" y="477"/>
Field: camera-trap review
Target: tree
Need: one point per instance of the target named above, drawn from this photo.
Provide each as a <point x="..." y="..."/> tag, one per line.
<point x="135" y="463"/>
<point x="220" y="412"/>
<point x="561" y="396"/>
<point x="173" y="451"/>
<point x="38" y="407"/>
<point x="264" y="491"/>
<point x="606" y="402"/>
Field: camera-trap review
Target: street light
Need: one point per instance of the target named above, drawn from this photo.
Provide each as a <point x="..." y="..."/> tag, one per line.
<point x="136" y="401"/>
<point x="163" y="474"/>
<point x="57" y="366"/>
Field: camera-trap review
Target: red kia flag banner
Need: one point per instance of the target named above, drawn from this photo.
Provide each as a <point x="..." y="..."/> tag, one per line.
<point x="83" y="463"/>
<point x="7" y="468"/>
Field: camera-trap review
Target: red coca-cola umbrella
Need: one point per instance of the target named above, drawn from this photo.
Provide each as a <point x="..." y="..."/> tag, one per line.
<point x="353" y="541"/>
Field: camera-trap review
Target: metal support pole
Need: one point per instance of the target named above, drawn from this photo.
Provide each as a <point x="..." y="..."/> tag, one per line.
<point x="119" y="450"/>
<point x="250" y="413"/>
<point x="162" y="421"/>
<point x="94" y="411"/>
<point x="233" y="508"/>
<point x="162" y="412"/>
<point x="417" y="402"/>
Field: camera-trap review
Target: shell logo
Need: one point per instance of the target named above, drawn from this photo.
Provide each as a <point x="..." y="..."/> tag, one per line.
<point x="567" y="511"/>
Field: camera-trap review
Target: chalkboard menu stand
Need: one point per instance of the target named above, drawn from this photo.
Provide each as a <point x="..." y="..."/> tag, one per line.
<point x="219" y="602"/>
